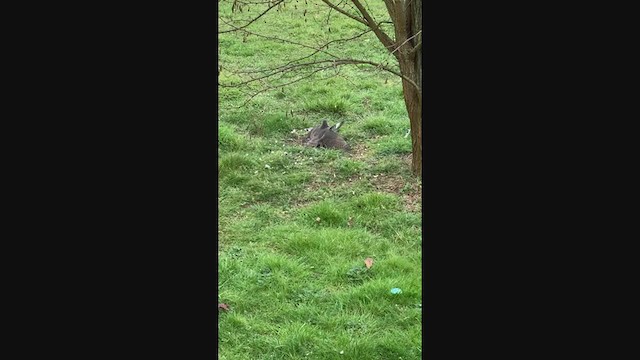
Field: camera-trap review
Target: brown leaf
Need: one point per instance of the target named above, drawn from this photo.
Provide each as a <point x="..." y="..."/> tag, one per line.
<point x="223" y="306"/>
<point x="368" y="262"/>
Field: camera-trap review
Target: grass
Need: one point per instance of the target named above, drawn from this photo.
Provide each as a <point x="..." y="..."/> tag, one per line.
<point x="296" y="223"/>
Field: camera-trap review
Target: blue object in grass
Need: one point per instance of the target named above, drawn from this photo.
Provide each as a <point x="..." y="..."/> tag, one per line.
<point x="396" y="291"/>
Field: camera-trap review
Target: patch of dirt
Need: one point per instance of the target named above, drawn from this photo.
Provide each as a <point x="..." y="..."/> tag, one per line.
<point x="359" y="151"/>
<point x="314" y="185"/>
<point x="409" y="190"/>
<point x="407" y="160"/>
<point x="413" y="201"/>
<point x="293" y="140"/>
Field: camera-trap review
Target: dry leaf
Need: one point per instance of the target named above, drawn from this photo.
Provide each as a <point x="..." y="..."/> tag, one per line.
<point x="223" y="306"/>
<point x="368" y="262"/>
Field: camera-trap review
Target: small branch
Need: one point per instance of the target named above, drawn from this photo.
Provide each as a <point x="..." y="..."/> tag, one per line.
<point x="253" y="20"/>
<point x="330" y="8"/>
<point x="406" y="41"/>
<point x="283" y="85"/>
<point x="336" y="8"/>
<point x="382" y="36"/>
<point x="320" y="49"/>
<point x="416" y="48"/>
<point x="390" y="8"/>
<point x="317" y="49"/>
<point x="333" y="63"/>
<point x="380" y="66"/>
<point x="279" y="70"/>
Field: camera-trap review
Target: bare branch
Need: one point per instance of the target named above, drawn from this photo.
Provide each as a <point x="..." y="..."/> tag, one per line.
<point x="416" y="48"/>
<point x="279" y="70"/>
<point x="382" y="36"/>
<point x="406" y="41"/>
<point x="329" y="12"/>
<point x="265" y="89"/>
<point x="316" y="48"/>
<point x="332" y="63"/>
<point x="390" y="8"/>
<point x="380" y="66"/>
<point x="254" y="19"/>
<point x="320" y="48"/>
<point x="336" y="8"/>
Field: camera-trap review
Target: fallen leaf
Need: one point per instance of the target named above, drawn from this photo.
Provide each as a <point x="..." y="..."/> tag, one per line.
<point x="318" y="219"/>
<point x="223" y="306"/>
<point x="368" y="262"/>
<point x="350" y="222"/>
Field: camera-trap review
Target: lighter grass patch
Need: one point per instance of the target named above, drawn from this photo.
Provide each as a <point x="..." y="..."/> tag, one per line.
<point x="334" y="105"/>
<point x="393" y="145"/>
<point x="229" y="139"/>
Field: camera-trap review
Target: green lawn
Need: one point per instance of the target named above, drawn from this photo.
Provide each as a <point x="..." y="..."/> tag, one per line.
<point x="296" y="223"/>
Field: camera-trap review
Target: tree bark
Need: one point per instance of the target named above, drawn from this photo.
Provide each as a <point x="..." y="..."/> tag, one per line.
<point x="413" y="102"/>
<point x="407" y="19"/>
<point x="414" y="105"/>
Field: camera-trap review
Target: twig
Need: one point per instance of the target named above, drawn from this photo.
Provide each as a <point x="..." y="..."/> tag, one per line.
<point x="332" y="62"/>
<point x="317" y="49"/>
<point x="253" y="20"/>
<point x="417" y="47"/>
<point x="265" y="89"/>
<point x="336" y="8"/>
<point x="382" y="36"/>
<point x="404" y="42"/>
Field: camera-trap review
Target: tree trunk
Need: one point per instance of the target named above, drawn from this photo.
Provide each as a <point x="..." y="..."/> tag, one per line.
<point x="416" y="118"/>
<point x="413" y="103"/>
<point x="409" y="29"/>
